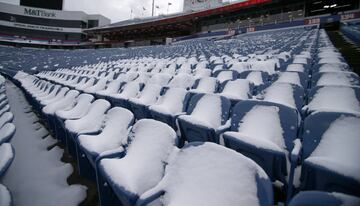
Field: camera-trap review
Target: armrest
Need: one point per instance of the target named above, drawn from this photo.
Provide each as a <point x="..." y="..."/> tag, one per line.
<point x="224" y="127"/>
<point x="295" y="153"/>
<point x="149" y="197"/>
<point x="115" y="153"/>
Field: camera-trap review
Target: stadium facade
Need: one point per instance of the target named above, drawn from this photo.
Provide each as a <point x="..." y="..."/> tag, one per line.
<point x="45" y="25"/>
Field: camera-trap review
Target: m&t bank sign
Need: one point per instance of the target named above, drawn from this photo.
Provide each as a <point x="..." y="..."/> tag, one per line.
<point x="38" y="12"/>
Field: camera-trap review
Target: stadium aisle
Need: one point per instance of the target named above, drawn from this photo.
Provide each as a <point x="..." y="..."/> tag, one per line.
<point x="37" y="176"/>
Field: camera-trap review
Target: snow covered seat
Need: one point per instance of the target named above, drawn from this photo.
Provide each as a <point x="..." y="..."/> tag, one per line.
<point x="170" y="69"/>
<point x="330" y="153"/>
<point x="239" y="66"/>
<point x="296" y="68"/>
<point x="331" y="67"/>
<point x="51" y="94"/>
<point x="296" y="78"/>
<point x="184" y="68"/>
<point x="333" y="99"/>
<point x="225" y="75"/>
<point x="205" y="119"/>
<point x="160" y="79"/>
<point x="7" y="155"/>
<point x="236" y="90"/>
<point x="335" y="79"/>
<point x="59" y="96"/>
<point x="4" y="103"/>
<point x="290" y="95"/>
<point x="5" y="107"/>
<point x="265" y="132"/>
<point x="143" y="78"/>
<point x="140" y="103"/>
<point x="212" y="175"/>
<point x="81" y="82"/>
<point x="181" y="81"/>
<point x="198" y="73"/>
<point x="113" y="136"/>
<point x="318" y="198"/>
<point x="124" y="176"/>
<point x="170" y="105"/>
<point x="2" y="97"/>
<point x="5" y="196"/>
<point x="7" y="131"/>
<point x="99" y="85"/>
<point x="7" y="117"/>
<point x="258" y="78"/>
<point x="268" y="66"/>
<point x="88" y="124"/>
<point x="206" y="85"/>
<point x="89" y="83"/>
<point x="111" y="88"/>
<point x="129" y="90"/>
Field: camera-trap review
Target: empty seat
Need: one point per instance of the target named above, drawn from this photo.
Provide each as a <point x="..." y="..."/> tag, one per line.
<point x="113" y="136"/>
<point x="257" y="78"/>
<point x="170" y="105"/>
<point x="7" y="117"/>
<point x="205" y="118"/>
<point x="236" y="90"/>
<point x="7" y="155"/>
<point x="318" y="198"/>
<point x="90" y="123"/>
<point x="335" y="79"/>
<point x="212" y="175"/>
<point x="181" y="81"/>
<point x="295" y="78"/>
<point x="264" y="132"/>
<point x="330" y="153"/>
<point x="225" y="75"/>
<point x="129" y="90"/>
<point x="122" y="178"/>
<point x="7" y="131"/>
<point x="206" y="85"/>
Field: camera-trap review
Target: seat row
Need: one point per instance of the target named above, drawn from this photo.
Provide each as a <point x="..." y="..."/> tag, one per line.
<point x="7" y="131"/>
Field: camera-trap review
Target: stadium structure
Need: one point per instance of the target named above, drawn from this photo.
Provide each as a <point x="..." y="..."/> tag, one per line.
<point x="252" y="102"/>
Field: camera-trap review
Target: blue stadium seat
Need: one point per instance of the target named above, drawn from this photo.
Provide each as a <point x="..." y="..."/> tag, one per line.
<point x="7" y="155"/>
<point x="7" y="131"/>
<point x="318" y="198"/>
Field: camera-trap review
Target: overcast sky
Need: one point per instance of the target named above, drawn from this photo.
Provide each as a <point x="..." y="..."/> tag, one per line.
<point x="118" y="10"/>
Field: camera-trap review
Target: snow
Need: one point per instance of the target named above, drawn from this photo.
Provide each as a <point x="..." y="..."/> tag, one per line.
<point x="280" y="93"/>
<point x="148" y="95"/>
<point x="6" y="155"/>
<point x="113" y="135"/>
<point x="261" y="127"/>
<point x="5" y="118"/>
<point x="182" y="81"/>
<point x="37" y="176"/>
<point x="82" y="106"/>
<point x="210" y="175"/>
<point x="205" y="85"/>
<point x="347" y="200"/>
<point x="129" y="90"/>
<point x="225" y="75"/>
<point x="289" y="77"/>
<point x="86" y="123"/>
<point x="338" y="149"/>
<point x="332" y="68"/>
<point x="207" y="112"/>
<point x="238" y="89"/>
<point x="336" y="99"/>
<point x="143" y="165"/>
<point x="65" y="103"/>
<point x="171" y="102"/>
<point x="337" y="79"/>
<point x="255" y="77"/>
<point x="5" y="197"/>
<point x="295" y="68"/>
<point x="6" y="131"/>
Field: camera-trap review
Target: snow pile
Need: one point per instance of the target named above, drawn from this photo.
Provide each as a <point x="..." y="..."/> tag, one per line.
<point x="207" y="112"/>
<point x="206" y="85"/>
<point x="261" y="127"/>
<point x="340" y="154"/>
<point x="171" y="102"/>
<point x="295" y="68"/>
<point x="148" y="95"/>
<point x="182" y="81"/>
<point x="82" y="106"/>
<point x="210" y="175"/>
<point x="65" y="103"/>
<point x="143" y="165"/>
<point x="37" y="176"/>
<point x="255" y="78"/>
<point x="224" y="76"/>
<point x="337" y="79"/>
<point x="336" y="99"/>
<point x="113" y="135"/>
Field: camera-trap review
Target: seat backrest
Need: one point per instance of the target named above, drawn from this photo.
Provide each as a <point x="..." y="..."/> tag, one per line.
<point x="130" y="89"/>
<point x="150" y="93"/>
<point x="206" y="85"/>
<point x="239" y="88"/>
<point x="213" y="108"/>
<point x="266" y="119"/>
<point x="5" y="118"/>
<point x="202" y="168"/>
<point x="174" y="99"/>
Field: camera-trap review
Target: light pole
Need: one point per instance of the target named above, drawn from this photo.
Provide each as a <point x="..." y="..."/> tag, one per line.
<point x="153" y="8"/>
<point x="169" y="4"/>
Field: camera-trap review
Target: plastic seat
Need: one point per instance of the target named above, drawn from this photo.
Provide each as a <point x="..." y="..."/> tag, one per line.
<point x="206" y="85"/>
<point x="335" y="79"/>
<point x="258" y="78"/>
<point x="129" y="90"/>
<point x="7" y="155"/>
<point x="210" y="174"/>
<point x="236" y="90"/>
<point x="148" y="96"/>
<point x="318" y="198"/>
<point x="225" y="75"/>
<point x="205" y="118"/>
<point x="122" y="177"/>
<point x="88" y="124"/>
<point x="296" y="78"/>
<point x="113" y="136"/>
<point x="7" y="117"/>
<point x="170" y="105"/>
<point x="266" y="133"/>
<point x="7" y="131"/>
<point x="330" y="153"/>
<point x="181" y="81"/>
<point x="100" y="84"/>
